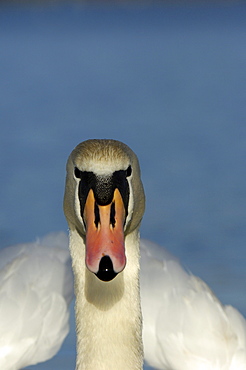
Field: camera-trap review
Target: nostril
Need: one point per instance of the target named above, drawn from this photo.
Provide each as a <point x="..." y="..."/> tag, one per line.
<point x="112" y="214"/>
<point x="106" y="271"/>
<point x="97" y="215"/>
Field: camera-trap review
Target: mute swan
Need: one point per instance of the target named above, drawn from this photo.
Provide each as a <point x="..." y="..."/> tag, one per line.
<point x="185" y="326"/>
<point x="35" y="292"/>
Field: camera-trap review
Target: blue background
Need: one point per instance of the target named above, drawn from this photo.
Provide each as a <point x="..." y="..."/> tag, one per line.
<point x="169" y="81"/>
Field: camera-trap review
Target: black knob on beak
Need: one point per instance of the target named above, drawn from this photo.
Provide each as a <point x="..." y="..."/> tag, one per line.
<point x="106" y="271"/>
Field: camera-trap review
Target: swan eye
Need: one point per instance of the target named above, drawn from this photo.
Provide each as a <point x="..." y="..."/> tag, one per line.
<point x="129" y="171"/>
<point x="77" y="173"/>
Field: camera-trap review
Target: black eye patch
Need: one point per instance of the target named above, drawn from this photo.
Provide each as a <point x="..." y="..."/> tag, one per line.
<point x="77" y="173"/>
<point x="129" y="171"/>
<point x="103" y="187"/>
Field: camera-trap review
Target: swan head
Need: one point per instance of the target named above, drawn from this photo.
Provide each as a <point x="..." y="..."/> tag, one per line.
<point x="104" y="201"/>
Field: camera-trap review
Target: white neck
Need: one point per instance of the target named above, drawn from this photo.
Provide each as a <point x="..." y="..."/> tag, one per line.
<point x="108" y="314"/>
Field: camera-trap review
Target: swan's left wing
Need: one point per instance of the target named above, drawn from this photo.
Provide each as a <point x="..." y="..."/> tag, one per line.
<point x="185" y="327"/>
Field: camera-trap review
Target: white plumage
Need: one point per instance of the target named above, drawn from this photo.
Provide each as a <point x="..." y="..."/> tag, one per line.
<point x="35" y="292"/>
<point x="185" y="325"/>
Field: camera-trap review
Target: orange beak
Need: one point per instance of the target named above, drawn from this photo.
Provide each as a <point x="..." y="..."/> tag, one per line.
<point x="105" y="233"/>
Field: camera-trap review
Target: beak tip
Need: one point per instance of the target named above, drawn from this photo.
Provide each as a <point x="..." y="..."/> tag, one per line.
<point x="106" y="271"/>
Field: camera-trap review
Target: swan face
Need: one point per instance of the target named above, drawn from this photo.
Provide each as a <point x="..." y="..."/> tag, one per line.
<point x="104" y="201"/>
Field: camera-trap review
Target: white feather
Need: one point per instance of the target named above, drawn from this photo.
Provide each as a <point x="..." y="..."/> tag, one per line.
<point x="185" y="326"/>
<point x="35" y="292"/>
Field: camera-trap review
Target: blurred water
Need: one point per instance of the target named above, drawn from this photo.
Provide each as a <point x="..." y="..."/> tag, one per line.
<point x="167" y="80"/>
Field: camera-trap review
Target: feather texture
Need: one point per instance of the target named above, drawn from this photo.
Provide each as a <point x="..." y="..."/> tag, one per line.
<point x="35" y="292"/>
<point x="185" y="325"/>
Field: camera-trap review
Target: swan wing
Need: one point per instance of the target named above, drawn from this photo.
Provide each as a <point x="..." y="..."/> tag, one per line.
<point x="35" y="292"/>
<point x="185" y="327"/>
